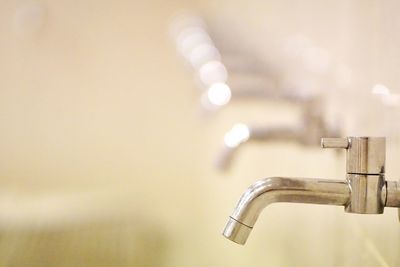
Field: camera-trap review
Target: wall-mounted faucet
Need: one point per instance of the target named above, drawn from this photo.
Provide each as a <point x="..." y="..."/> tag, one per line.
<point x="364" y="190"/>
<point x="251" y="76"/>
<point x="306" y="132"/>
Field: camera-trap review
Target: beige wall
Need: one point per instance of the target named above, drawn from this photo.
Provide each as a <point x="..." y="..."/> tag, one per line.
<point x="99" y="120"/>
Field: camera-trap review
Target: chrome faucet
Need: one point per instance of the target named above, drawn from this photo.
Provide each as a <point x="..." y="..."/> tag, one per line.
<point x="251" y="76"/>
<point x="364" y="190"/>
<point x="307" y="132"/>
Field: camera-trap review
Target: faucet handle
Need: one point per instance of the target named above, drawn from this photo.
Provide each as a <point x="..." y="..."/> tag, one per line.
<point x="365" y="155"/>
<point x="335" y="143"/>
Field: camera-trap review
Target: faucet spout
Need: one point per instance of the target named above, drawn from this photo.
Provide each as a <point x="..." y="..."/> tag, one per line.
<point x="281" y="189"/>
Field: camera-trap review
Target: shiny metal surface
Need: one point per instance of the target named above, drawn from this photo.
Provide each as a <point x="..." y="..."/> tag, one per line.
<point x="237" y="231"/>
<point x="335" y="143"/>
<point x="365" y="155"/>
<point x="365" y="193"/>
<point x="368" y="193"/>
<point x="393" y="194"/>
<point x="281" y="189"/>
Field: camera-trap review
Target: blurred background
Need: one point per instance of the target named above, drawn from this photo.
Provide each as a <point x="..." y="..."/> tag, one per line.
<point x="108" y="150"/>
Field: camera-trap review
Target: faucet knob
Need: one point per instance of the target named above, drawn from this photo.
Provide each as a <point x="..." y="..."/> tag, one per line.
<point x="335" y="143"/>
<point x="365" y="155"/>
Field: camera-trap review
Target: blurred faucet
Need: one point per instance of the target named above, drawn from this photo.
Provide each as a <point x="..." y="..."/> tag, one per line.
<point x="307" y="132"/>
<point x="253" y="76"/>
<point x="363" y="191"/>
<point x="249" y="75"/>
<point x="228" y="66"/>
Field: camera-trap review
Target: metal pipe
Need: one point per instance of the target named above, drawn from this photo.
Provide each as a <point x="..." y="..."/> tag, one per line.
<point x="281" y="189"/>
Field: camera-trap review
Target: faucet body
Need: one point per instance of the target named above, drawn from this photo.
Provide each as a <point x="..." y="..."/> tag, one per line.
<point x="364" y="190"/>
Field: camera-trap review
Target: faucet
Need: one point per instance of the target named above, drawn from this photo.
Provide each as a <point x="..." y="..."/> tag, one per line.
<point x="213" y="60"/>
<point x="363" y="191"/>
<point x="306" y="132"/>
